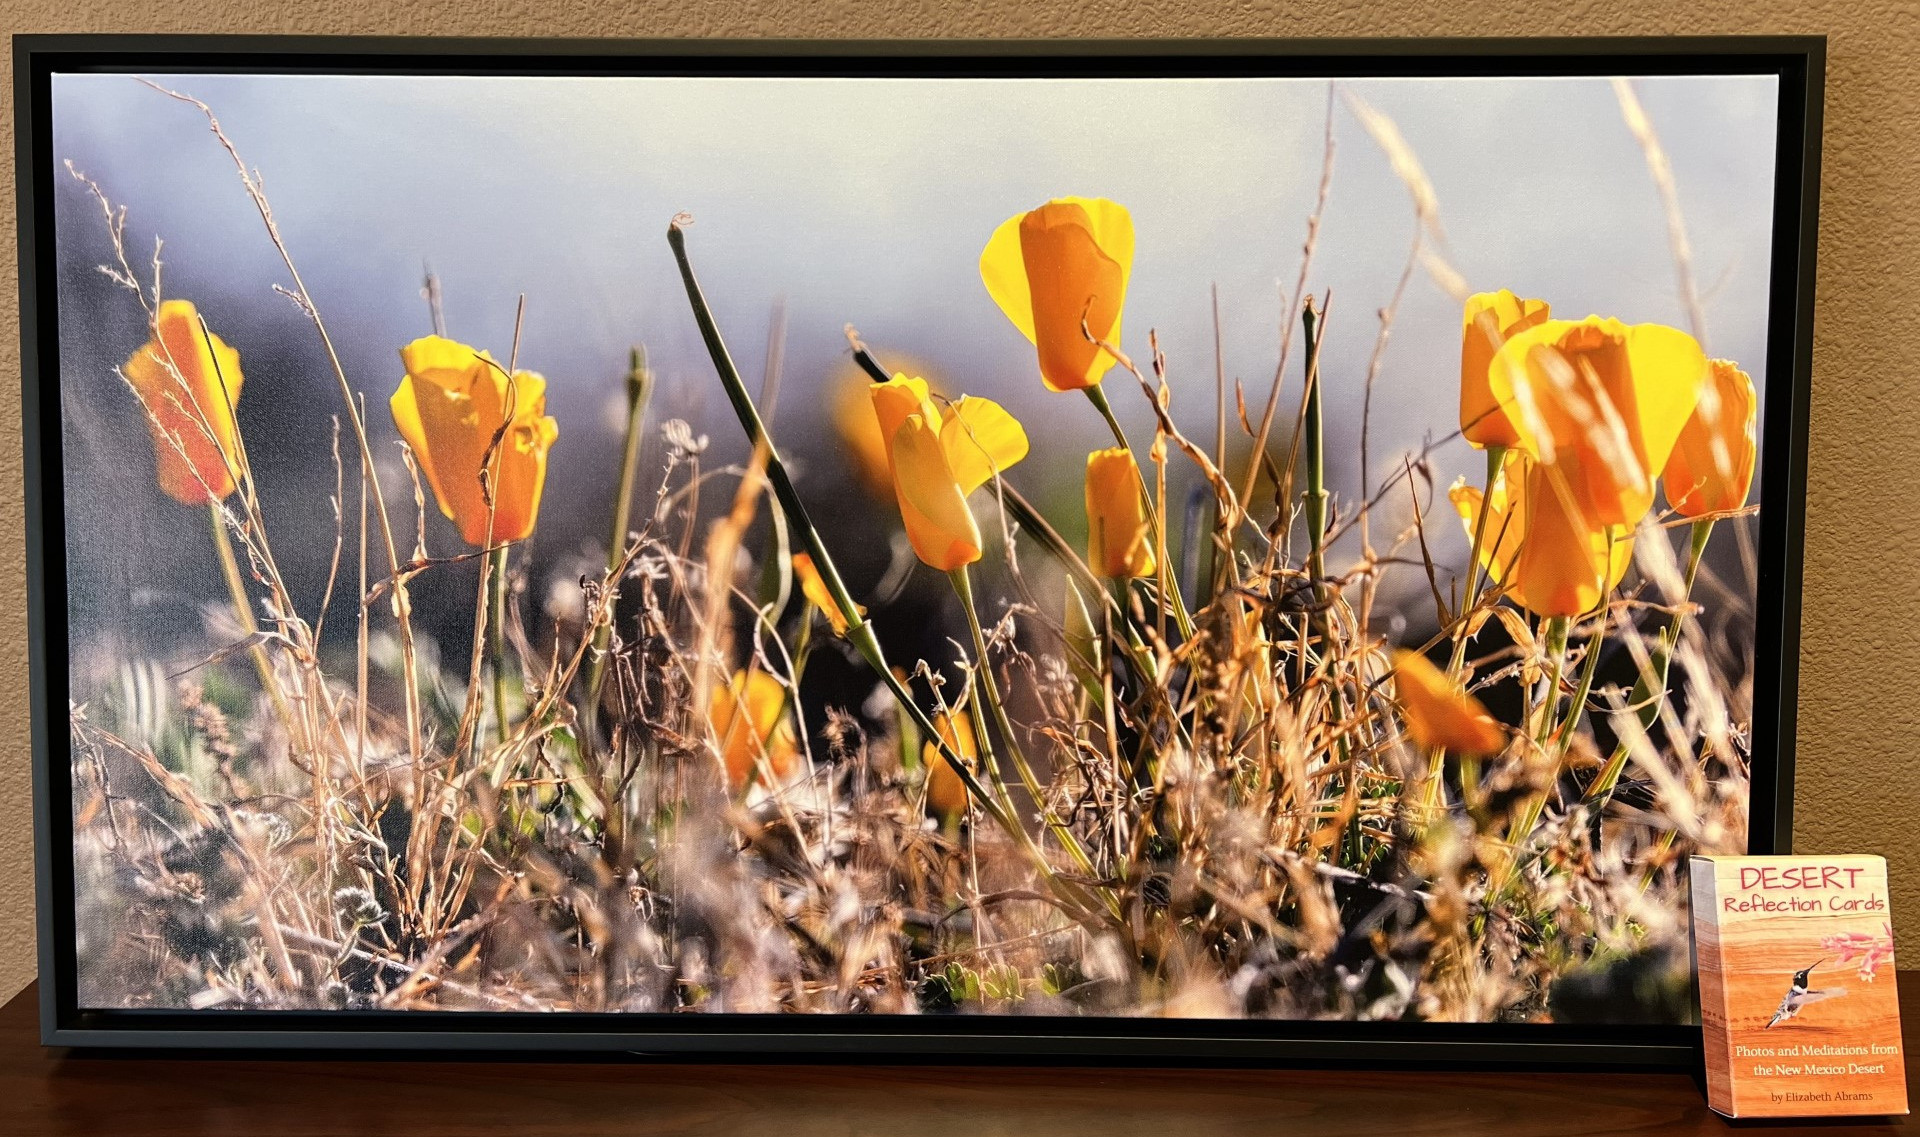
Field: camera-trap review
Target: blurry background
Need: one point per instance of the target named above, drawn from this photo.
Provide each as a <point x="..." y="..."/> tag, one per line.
<point x="863" y="201"/>
<point x="1857" y="726"/>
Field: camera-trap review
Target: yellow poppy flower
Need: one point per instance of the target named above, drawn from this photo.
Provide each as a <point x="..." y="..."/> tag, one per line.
<point x="750" y="724"/>
<point x="1554" y="561"/>
<point x="814" y="588"/>
<point x="892" y="402"/>
<point x="938" y="459"/>
<point x="1711" y="468"/>
<point x="190" y="384"/>
<point x="946" y="793"/>
<point x="1057" y="268"/>
<point x="1490" y="319"/>
<point x="1602" y="400"/>
<point x="1440" y="714"/>
<point x="1117" y="544"/>
<point x="449" y="406"/>
<point x="932" y="506"/>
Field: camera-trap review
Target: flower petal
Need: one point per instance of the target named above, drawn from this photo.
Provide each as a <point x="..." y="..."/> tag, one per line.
<point x="1117" y="545"/>
<point x="1711" y="467"/>
<point x="1489" y="320"/>
<point x="981" y="439"/>
<point x="440" y="361"/>
<point x="814" y="588"/>
<point x="938" y="522"/>
<point x="1439" y="713"/>
<point x="1505" y="522"/>
<point x="896" y="399"/>
<point x="1112" y="227"/>
<point x="520" y="463"/>
<point x="750" y="725"/>
<point x="1003" y="269"/>
<point x="1566" y="564"/>
<point x="189" y="381"/>
<point x="946" y="793"/>
<point x="1669" y="368"/>
<point x="1076" y="287"/>
<point x="1613" y="396"/>
<point x="406" y="416"/>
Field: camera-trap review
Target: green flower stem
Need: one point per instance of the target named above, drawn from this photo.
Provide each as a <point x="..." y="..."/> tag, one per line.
<point x="243" y="611"/>
<point x="1645" y="695"/>
<point x="497" y="637"/>
<point x="802" y="652"/>
<point x="859" y="632"/>
<point x="990" y="691"/>
<point x="1529" y="816"/>
<point x="1555" y="641"/>
<point x="1469" y="767"/>
<point x="1556" y="740"/>
<point x="1469" y="779"/>
<point x="1496" y="459"/>
<point x="907" y="735"/>
<point x="983" y="739"/>
<point x="1582" y="691"/>
<point x="1316" y="497"/>
<point x="1316" y="517"/>
<point x="639" y="391"/>
<point x="1163" y="577"/>
<point x="1316" y="500"/>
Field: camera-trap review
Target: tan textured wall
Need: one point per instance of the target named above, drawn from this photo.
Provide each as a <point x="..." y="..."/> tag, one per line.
<point x="1860" y="707"/>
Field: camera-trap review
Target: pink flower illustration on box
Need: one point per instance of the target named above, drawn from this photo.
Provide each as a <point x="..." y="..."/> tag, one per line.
<point x="1870" y="950"/>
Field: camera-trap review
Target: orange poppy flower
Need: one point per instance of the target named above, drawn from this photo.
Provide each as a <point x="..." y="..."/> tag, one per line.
<point x="1602" y="400"/>
<point x="449" y="407"/>
<point x="814" y="588"/>
<point x="1117" y="544"/>
<point x="1490" y="319"/>
<point x="750" y="724"/>
<point x="1440" y="714"/>
<point x="1060" y="272"/>
<point x="1711" y="468"/>
<point x="190" y="383"/>
<point x="937" y="459"/>
<point x="946" y="793"/>
<point x="1555" y="562"/>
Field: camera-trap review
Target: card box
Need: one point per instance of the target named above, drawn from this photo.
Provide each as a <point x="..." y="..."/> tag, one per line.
<point x="1794" y="957"/>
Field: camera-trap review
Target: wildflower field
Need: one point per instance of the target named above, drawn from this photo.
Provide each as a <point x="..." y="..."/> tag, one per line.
<point x="893" y="718"/>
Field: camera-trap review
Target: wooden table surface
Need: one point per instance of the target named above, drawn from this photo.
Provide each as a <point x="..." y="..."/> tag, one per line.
<point x="69" y="1092"/>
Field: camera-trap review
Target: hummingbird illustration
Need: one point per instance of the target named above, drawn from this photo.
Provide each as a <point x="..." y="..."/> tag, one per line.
<point x="1800" y="994"/>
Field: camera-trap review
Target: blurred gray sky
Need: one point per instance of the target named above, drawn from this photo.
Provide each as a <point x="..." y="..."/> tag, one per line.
<point x="862" y="201"/>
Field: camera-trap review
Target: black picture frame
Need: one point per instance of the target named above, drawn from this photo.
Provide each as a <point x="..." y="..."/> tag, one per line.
<point x="1799" y="64"/>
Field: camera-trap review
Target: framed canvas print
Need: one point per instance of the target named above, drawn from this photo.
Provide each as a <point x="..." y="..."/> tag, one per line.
<point x="1211" y="550"/>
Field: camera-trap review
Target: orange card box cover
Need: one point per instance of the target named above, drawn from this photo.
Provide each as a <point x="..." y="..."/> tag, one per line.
<point x="1797" y="1000"/>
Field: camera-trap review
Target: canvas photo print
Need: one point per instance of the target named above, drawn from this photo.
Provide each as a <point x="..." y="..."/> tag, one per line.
<point x="1210" y="548"/>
